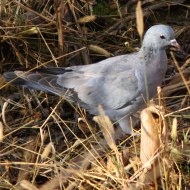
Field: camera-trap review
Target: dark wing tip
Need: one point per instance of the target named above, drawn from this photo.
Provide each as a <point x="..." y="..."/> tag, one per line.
<point x="13" y="78"/>
<point x="9" y="76"/>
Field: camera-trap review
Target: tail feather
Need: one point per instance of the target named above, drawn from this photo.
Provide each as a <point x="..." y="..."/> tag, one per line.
<point x="39" y="81"/>
<point x="14" y="79"/>
<point x="53" y="70"/>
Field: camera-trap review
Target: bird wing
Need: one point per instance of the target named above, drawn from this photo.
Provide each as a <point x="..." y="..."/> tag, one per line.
<point x="112" y="92"/>
<point x="111" y="83"/>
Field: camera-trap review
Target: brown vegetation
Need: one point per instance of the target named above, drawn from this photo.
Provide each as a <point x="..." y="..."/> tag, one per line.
<point x="42" y="146"/>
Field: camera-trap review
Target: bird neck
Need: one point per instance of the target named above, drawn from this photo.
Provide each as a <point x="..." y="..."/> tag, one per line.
<point x="149" y="52"/>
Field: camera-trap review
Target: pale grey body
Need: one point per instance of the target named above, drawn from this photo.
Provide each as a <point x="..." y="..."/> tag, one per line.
<point x="118" y="84"/>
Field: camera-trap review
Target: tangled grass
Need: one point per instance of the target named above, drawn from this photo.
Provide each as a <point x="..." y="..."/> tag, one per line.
<point x="48" y="143"/>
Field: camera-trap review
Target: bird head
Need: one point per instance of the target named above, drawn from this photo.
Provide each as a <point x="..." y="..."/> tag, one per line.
<point x="161" y="37"/>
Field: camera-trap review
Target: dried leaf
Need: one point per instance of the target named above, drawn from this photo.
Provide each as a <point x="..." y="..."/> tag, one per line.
<point x="174" y="129"/>
<point x="151" y="136"/>
<point x="27" y="185"/>
<point x="31" y="31"/>
<point x="3" y="113"/>
<point x="99" y="50"/>
<point x="150" y="141"/>
<point x="86" y="19"/>
<point x="1" y="132"/>
<point x="107" y="128"/>
<point x="139" y="19"/>
<point x="108" y="132"/>
<point x="47" y="151"/>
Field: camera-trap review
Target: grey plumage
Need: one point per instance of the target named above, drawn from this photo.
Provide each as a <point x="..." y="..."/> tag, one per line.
<point x="121" y="84"/>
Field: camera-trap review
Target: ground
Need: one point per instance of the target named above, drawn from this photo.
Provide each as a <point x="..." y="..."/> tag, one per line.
<point x="48" y="143"/>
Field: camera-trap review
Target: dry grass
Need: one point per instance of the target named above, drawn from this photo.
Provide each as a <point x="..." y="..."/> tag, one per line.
<point x="42" y="146"/>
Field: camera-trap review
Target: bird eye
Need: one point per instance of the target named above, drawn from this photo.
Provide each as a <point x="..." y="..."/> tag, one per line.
<point x="162" y="37"/>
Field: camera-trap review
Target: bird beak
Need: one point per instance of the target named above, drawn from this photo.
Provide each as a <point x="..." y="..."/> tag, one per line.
<point x="174" y="44"/>
<point x="177" y="48"/>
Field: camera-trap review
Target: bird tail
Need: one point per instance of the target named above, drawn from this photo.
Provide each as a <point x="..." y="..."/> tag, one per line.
<point x="41" y="79"/>
<point x="13" y="78"/>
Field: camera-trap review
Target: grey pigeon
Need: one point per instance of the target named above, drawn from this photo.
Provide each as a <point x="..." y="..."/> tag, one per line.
<point x="121" y="84"/>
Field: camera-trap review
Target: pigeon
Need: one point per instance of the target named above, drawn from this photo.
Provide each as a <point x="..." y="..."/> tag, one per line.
<point x="121" y="84"/>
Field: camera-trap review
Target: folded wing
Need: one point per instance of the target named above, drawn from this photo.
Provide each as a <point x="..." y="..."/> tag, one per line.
<point x="112" y="85"/>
